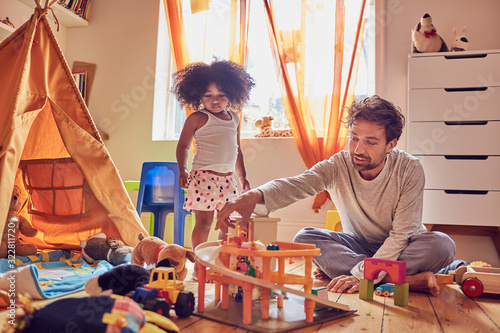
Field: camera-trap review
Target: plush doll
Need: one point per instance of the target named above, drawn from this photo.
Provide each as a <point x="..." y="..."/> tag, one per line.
<point x="152" y="250"/>
<point x="425" y="37"/>
<point x="460" y="43"/>
<point x="120" y="280"/>
<point x="113" y="250"/>
<point x="96" y="314"/>
<point x="266" y="130"/>
<point x="14" y="226"/>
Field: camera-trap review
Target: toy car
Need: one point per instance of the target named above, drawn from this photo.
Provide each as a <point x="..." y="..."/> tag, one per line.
<point x="386" y="289"/>
<point x="478" y="280"/>
<point x="163" y="292"/>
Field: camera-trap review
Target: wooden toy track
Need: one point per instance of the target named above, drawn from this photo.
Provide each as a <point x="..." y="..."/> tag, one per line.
<point x="209" y="255"/>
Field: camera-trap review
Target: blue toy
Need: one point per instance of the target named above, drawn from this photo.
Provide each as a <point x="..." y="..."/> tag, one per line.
<point x="386" y="289"/>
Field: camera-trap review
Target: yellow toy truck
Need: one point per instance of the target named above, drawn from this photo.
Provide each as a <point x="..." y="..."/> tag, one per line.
<point x="164" y="292"/>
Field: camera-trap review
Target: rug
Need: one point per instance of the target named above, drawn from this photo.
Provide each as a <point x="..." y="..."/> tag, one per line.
<point x="48" y="274"/>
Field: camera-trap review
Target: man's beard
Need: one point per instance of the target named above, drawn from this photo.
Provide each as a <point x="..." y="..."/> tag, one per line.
<point x="364" y="167"/>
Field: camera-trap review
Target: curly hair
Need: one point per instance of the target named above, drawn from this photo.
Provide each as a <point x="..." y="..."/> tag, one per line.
<point x="191" y="82"/>
<point x="380" y="111"/>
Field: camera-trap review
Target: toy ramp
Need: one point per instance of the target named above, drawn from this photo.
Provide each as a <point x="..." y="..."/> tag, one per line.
<point x="51" y="149"/>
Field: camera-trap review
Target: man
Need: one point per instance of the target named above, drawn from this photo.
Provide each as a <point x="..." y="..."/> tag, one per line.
<point x="378" y="192"/>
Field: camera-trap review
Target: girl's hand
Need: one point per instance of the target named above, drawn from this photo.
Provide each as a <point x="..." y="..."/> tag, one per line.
<point x="245" y="185"/>
<point x="183" y="179"/>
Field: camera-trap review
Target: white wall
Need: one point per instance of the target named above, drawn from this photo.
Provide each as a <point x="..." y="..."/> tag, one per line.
<point x="18" y="13"/>
<point x="121" y="40"/>
<point x="123" y="46"/>
<point x="399" y="17"/>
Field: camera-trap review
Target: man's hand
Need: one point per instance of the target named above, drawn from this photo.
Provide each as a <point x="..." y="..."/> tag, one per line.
<point x="344" y="283"/>
<point x="245" y="185"/>
<point x="243" y="205"/>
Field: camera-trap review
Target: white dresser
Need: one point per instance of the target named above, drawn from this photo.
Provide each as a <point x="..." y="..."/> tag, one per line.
<point x="454" y="129"/>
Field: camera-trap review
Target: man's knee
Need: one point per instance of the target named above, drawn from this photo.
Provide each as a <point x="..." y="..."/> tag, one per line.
<point x="304" y="235"/>
<point x="441" y="246"/>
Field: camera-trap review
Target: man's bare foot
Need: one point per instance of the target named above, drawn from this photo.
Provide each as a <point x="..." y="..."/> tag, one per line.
<point x="425" y="282"/>
<point x="320" y="275"/>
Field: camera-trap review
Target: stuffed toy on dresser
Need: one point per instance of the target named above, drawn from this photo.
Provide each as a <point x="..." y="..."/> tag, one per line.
<point x="425" y="37"/>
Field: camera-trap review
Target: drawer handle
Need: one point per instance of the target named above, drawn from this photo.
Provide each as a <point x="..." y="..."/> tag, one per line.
<point x="466" y="56"/>
<point x="466" y="157"/>
<point x="465" y="192"/>
<point x="465" y="89"/>
<point x="472" y="122"/>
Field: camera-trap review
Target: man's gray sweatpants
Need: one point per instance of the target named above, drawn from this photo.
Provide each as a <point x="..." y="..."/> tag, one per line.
<point x="340" y="252"/>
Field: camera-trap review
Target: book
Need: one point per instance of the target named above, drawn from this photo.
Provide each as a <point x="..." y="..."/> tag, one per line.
<point x="81" y="83"/>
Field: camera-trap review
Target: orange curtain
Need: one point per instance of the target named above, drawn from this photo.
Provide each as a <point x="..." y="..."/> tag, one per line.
<point x="176" y="32"/>
<point x="309" y="49"/>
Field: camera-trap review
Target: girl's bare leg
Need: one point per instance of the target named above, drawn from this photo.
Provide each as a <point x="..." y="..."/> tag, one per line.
<point x="201" y="230"/>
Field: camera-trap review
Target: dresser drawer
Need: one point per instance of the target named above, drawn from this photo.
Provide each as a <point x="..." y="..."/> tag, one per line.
<point x="438" y="138"/>
<point x="453" y="104"/>
<point x="454" y="70"/>
<point x="461" y="209"/>
<point x="461" y="172"/>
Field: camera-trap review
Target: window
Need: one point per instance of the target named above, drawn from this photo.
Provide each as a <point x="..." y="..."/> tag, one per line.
<point x="56" y="187"/>
<point x="265" y="98"/>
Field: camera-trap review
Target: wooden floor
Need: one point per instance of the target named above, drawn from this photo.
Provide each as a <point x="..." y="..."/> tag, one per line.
<point x="451" y="311"/>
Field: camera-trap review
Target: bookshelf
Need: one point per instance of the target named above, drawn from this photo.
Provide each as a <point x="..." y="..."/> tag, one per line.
<point x="65" y="16"/>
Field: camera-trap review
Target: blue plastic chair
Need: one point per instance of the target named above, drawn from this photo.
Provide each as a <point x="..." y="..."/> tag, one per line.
<point x="133" y="185"/>
<point x="161" y="194"/>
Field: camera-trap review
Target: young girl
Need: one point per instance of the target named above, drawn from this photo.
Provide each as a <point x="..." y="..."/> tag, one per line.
<point x="213" y="91"/>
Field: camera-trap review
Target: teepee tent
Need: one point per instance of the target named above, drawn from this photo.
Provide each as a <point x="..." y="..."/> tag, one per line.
<point x="51" y="149"/>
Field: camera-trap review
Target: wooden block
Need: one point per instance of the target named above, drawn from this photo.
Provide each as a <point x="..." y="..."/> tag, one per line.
<point x="262" y="228"/>
<point x="366" y="289"/>
<point x="320" y="291"/>
<point x="444" y="278"/>
<point x="395" y="269"/>
<point x="401" y="292"/>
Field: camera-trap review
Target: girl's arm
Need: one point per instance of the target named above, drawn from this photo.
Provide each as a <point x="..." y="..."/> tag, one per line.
<point x="240" y="166"/>
<point x="190" y="126"/>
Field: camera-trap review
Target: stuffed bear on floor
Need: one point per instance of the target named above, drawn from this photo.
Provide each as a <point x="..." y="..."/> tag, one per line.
<point x="152" y="250"/>
<point x="99" y="247"/>
<point x="121" y="280"/>
<point x="14" y="226"/>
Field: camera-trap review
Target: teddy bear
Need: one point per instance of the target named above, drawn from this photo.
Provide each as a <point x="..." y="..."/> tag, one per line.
<point x="120" y="280"/>
<point x="266" y="130"/>
<point x="103" y="313"/>
<point x="460" y="43"/>
<point x="14" y="226"/>
<point x="99" y="247"/>
<point x="425" y="37"/>
<point x="152" y="250"/>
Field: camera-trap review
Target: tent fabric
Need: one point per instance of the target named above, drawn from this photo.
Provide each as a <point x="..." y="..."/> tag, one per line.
<point x="51" y="148"/>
